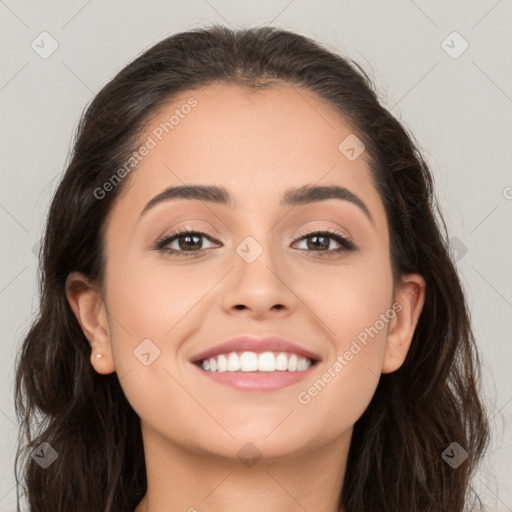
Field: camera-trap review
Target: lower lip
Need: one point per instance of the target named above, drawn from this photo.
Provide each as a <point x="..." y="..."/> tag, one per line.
<point x="258" y="381"/>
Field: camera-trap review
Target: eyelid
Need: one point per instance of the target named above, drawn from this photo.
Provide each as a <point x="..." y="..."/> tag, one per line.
<point x="331" y="230"/>
<point x="192" y="225"/>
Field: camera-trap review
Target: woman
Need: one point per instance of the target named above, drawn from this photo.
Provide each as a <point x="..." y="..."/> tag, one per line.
<point x="247" y="302"/>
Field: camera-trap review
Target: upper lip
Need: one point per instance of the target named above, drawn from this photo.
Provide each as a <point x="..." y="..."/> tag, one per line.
<point x="255" y="344"/>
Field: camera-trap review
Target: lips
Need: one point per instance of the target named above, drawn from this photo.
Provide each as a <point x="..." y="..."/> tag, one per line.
<point x="257" y="345"/>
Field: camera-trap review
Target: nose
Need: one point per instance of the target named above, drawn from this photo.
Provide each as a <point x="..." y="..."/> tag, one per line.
<point x="258" y="287"/>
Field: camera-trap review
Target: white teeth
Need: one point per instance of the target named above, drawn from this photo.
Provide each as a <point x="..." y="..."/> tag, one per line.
<point x="249" y="362"/>
<point x="222" y="363"/>
<point x="302" y="364"/>
<point x="266" y="362"/>
<point x="281" y="362"/>
<point x="252" y="362"/>
<point x="233" y="362"/>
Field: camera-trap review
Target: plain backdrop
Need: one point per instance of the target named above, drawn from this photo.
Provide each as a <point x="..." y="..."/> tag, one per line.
<point x="452" y="90"/>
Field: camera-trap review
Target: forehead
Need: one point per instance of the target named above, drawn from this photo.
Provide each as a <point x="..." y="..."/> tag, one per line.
<point x="256" y="144"/>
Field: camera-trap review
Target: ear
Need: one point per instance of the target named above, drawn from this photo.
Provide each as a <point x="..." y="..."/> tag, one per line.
<point x="87" y="304"/>
<point x="408" y="304"/>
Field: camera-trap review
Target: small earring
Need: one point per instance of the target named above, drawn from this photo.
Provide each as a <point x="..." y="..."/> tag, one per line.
<point x="98" y="356"/>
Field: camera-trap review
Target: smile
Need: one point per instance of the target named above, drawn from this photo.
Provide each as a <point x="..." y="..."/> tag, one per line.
<point x="251" y="371"/>
<point x="254" y="362"/>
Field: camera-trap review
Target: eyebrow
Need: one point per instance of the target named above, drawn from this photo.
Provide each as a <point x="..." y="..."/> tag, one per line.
<point x="292" y="197"/>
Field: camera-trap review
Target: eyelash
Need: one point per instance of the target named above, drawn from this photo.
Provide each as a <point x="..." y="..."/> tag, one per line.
<point x="346" y="244"/>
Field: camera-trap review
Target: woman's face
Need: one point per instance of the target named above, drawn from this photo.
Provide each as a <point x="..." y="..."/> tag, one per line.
<point x="252" y="273"/>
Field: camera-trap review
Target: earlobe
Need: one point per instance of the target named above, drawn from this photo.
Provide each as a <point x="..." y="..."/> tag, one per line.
<point x="411" y="297"/>
<point x="90" y="311"/>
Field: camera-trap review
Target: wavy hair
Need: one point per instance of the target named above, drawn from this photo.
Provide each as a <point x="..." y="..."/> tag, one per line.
<point x="395" y="460"/>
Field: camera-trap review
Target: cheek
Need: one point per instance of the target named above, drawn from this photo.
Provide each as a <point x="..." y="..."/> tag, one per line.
<point x="149" y="299"/>
<point x="354" y="307"/>
<point x="146" y="309"/>
<point x="348" y="298"/>
<point x="151" y="310"/>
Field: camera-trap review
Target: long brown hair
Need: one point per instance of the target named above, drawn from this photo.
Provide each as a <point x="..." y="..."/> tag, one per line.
<point x="395" y="461"/>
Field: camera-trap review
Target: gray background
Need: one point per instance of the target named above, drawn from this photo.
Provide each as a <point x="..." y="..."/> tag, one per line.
<point x="458" y="108"/>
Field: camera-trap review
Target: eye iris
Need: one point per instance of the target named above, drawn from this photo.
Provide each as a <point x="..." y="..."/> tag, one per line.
<point x="313" y="245"/>
<point x="188" y="238"/>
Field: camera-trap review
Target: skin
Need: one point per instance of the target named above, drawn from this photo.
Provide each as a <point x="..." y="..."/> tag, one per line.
<point x="257" y="145"/>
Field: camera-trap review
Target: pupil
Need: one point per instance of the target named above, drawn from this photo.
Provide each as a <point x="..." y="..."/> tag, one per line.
<point x="322" y="237"/>
<point x="188" y="238"/>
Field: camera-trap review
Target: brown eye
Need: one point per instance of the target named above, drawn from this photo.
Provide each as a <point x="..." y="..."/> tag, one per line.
<point x="320" y="241"/>
<point x="183" y="242"/>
